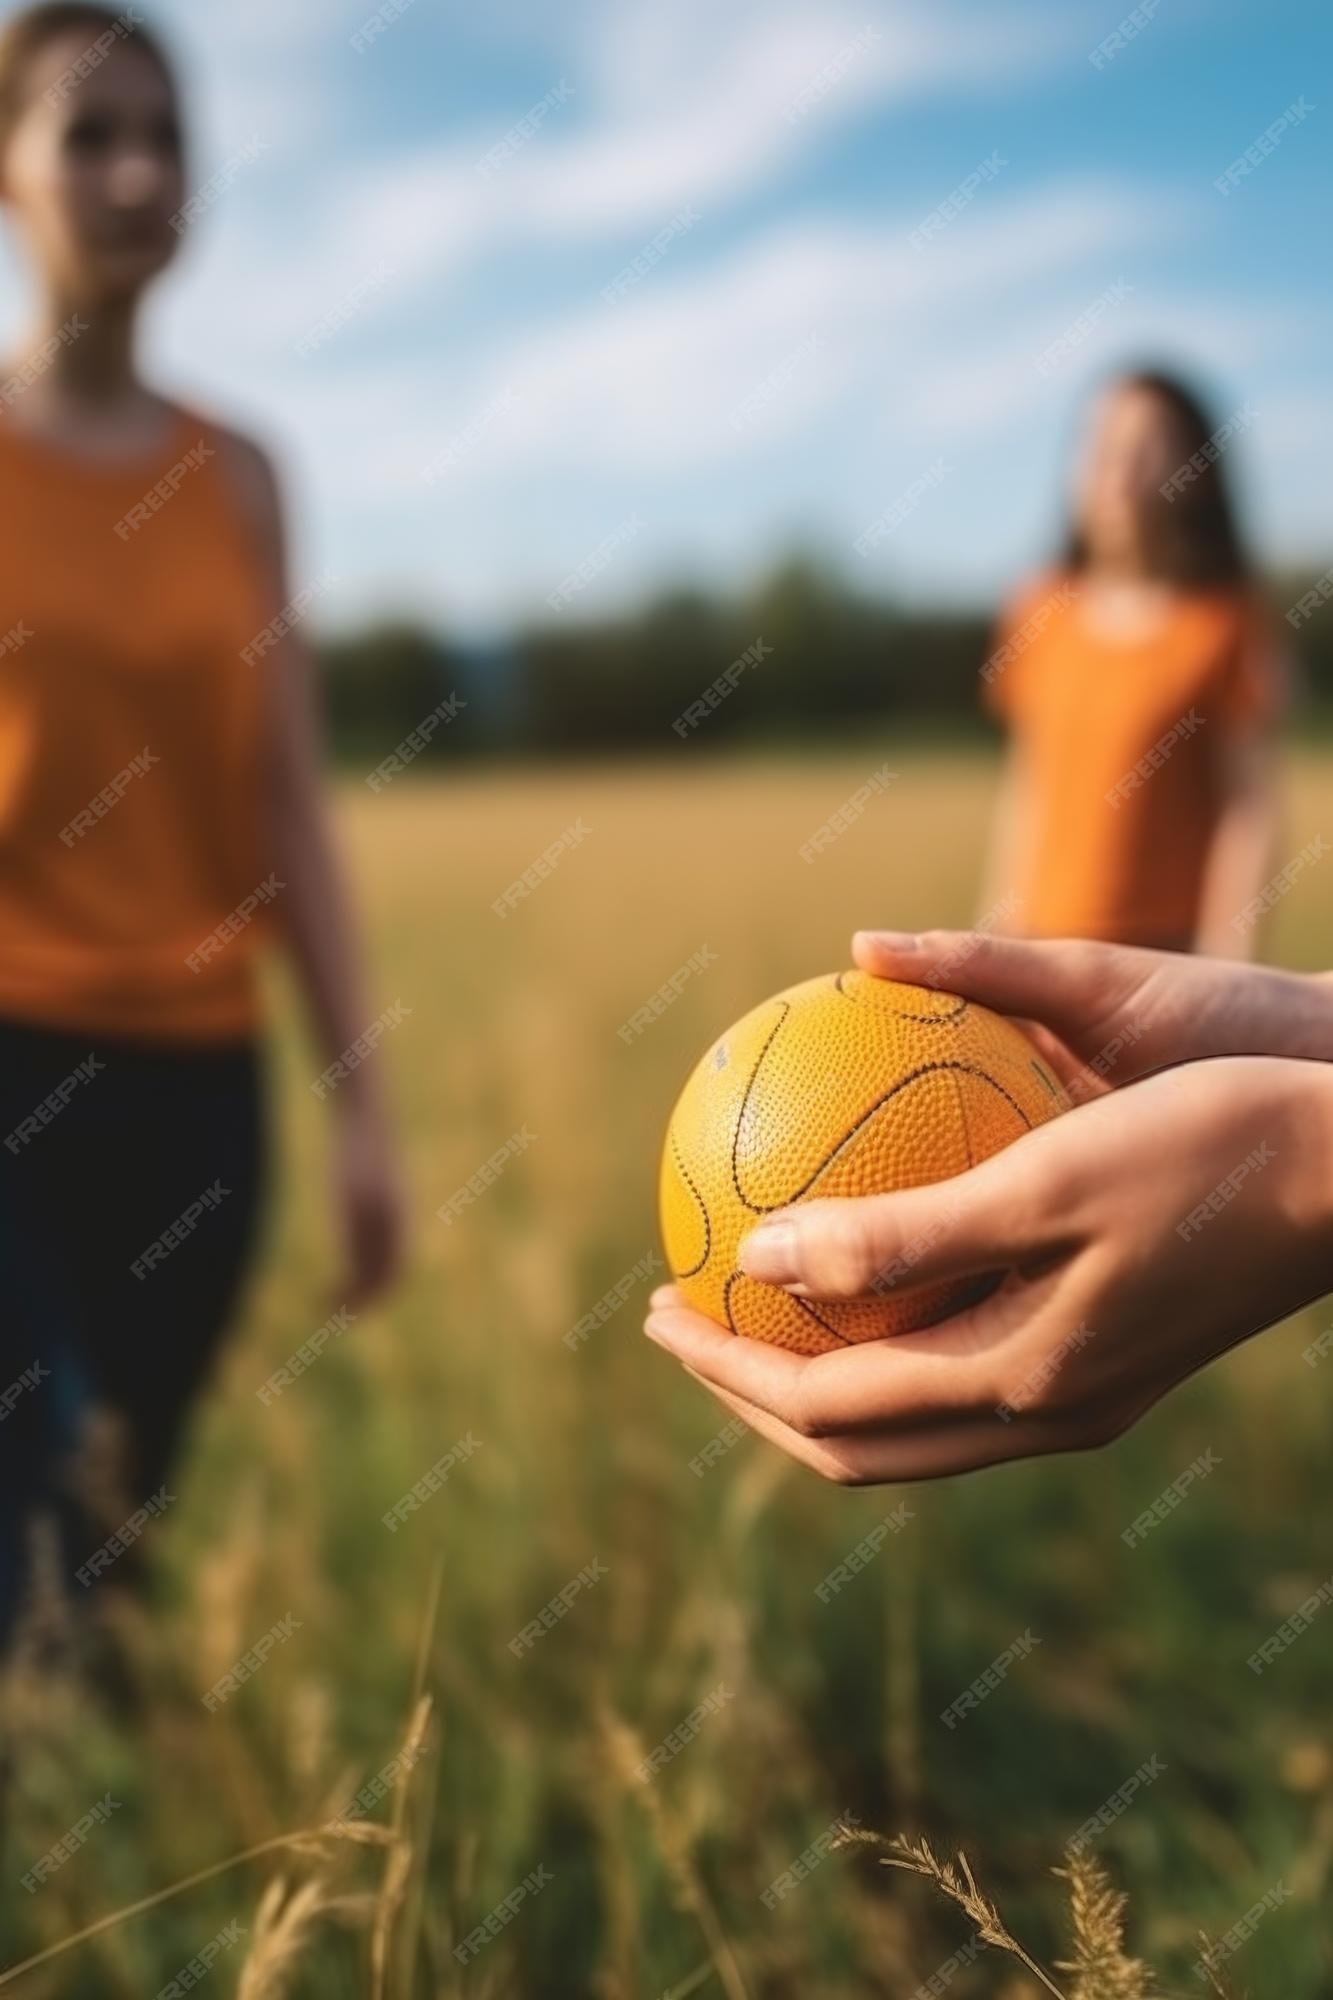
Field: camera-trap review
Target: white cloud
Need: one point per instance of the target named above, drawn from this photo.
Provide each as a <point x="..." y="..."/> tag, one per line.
<point x="670" y="108"/>
<point x="880" y="356"/>
<point x="705" y="107"/>
<point x="255" y="66"/>
<point x="965" y="391"/>
<point x="653" y="382"/>
<point x="651" y="385"/>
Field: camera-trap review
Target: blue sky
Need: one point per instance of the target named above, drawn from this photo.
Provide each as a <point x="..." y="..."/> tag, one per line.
<point x="794" y="364"/>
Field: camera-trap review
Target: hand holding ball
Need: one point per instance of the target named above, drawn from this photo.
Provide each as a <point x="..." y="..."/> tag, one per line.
<point x="844" y="1085"/>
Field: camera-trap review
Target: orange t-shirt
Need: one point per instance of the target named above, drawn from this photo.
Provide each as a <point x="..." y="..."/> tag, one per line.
<point x="1120" y="743"/>
<point x="133" y="887"/>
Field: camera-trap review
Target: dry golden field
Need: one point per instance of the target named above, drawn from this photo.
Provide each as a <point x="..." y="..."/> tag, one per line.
<point x="700" y="1582"/>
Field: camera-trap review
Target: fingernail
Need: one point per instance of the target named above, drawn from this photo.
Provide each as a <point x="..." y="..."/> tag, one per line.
<point x="896" y="941"/>
<point x="769" y="1253"/>
<point x="655" y="1330"/>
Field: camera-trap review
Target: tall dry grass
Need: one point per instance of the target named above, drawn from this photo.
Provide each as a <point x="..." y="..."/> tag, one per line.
<point x="585" y="1455"/>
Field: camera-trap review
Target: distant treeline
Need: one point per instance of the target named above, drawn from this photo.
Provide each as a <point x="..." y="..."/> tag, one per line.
<point x="799" y="660"/>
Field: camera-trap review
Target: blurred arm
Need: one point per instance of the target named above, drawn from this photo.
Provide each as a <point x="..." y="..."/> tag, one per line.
<point x="1242" y="855"/>
<point x="314" y="911"/>
<point x="1006" y="851"/>
<point x="1243" y="852"/>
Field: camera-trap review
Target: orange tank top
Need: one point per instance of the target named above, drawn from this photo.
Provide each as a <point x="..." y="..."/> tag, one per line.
<point x="1122" y="750"/>
<point x="133" y="888"/>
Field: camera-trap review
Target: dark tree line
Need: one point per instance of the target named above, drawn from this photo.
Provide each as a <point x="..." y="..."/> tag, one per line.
<point x="798" y="660"/>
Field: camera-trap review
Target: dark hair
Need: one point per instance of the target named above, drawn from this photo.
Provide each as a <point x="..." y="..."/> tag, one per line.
<point x="29" y="31"/>
<point x="1191" y="537"/>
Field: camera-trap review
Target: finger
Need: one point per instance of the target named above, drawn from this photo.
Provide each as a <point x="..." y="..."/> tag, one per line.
<point x="856" y="1460"/>
<point x="991" y="1218"/>
<point x="765" y="1374"/>
<point x="806" y="1451"/>
<point x="952" y="1374"/>
<point x="1068" y="982"/>
<point x="976" y="1365"/>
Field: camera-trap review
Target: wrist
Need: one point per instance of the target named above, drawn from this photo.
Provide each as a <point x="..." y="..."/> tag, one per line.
<point x="1307" y="1014"/>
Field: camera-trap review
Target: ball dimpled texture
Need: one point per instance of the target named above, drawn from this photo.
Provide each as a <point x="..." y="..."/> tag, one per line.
<point x="844" y="1085"/>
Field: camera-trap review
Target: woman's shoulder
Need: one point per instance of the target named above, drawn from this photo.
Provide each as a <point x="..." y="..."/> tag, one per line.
<point x="1039" y="595"/>
<point x="1243" y="610"/>
<point x="247" y="467"/>
<point x="246" y="459"/>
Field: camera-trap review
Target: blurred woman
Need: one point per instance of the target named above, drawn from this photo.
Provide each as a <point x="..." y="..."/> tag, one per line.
<point x="160" y="819"/>
<point x="1139" y="681"/>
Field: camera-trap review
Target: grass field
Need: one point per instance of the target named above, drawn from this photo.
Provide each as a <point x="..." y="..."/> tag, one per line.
<point x="703" y="1580"/>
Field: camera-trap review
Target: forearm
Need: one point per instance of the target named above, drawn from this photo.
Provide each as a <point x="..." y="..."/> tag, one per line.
<point x="313" y="911"/>
<point x="1306" y="1000"/>
<point x="1254" y="1010"/>
<point x="320" y="934"/>
<point x="999" y="908"/>
<point x="1240" y="863"/>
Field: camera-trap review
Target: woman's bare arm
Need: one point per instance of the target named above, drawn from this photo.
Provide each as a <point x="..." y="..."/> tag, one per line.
<point x="1000" y="909"/>
<point x="315" y="915"/>
<point x="1243" y="853"/>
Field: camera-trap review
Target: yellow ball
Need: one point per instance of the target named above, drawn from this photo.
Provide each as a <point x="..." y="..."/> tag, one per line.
<point x="844" y="1085"/>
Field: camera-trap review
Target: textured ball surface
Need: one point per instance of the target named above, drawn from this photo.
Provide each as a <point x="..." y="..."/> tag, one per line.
<point x="844" y="1085"/>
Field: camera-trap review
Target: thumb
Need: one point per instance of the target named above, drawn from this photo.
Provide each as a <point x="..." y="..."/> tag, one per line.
<point x="988" y="1219"/>
<point x="1073" y="985"/>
